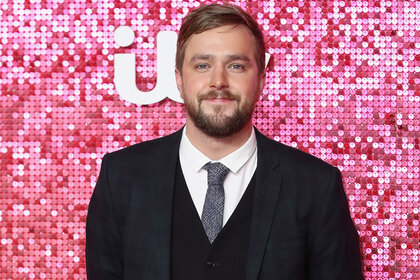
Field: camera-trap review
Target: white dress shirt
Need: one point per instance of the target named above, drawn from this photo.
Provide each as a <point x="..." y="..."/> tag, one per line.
<point x="241" y="163"/>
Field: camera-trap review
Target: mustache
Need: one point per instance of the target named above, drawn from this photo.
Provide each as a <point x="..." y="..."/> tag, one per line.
<point x="218" y="94"/>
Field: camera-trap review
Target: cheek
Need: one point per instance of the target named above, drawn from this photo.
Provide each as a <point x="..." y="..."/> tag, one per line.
<point x="247" y="87"/>
<point x="194" y="84"/>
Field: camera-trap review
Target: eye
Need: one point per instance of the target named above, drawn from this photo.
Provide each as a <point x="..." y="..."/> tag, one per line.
<point x="202" y="66"/>
<point x="237" y="66"/>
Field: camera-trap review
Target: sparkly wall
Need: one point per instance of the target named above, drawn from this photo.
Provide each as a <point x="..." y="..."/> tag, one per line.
<point x="343" y="84"/>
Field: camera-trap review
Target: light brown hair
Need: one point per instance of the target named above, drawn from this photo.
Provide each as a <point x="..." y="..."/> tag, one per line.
<point x="212" y="16"/>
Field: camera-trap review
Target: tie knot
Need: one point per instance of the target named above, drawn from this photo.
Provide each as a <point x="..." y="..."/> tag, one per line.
<point x="216" y="173"/>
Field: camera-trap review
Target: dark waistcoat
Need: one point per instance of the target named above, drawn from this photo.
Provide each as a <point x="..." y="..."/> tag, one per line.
<point x="193" y="257"/>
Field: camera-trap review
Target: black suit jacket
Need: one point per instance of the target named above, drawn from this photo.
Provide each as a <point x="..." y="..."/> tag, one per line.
<point x="301" y="226"/>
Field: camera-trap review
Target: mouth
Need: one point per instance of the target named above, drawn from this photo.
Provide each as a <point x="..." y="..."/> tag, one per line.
<point x="219" y="97"/>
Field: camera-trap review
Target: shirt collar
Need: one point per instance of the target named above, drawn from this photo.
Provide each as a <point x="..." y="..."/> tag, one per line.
<point x="234" y="161"/>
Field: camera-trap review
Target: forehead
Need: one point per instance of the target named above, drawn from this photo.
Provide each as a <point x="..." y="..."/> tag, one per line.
<point x="224" y="40"/>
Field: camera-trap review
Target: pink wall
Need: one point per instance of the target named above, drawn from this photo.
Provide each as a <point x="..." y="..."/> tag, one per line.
<point x="343" y="84"/>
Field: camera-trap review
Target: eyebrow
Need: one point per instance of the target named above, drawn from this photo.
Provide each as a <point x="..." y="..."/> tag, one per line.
<point x="230" y="57"/>
<point x="238" y="57"/>
<point x="201" y="56"/>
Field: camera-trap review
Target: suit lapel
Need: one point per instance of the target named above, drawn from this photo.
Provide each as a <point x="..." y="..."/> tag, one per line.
<point x="161" y="200"/>
<point x="267" y="189"/>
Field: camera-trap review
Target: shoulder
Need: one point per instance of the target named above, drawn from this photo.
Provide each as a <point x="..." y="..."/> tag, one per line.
<point x="127" y="167"/>
<point x="148" y="148"/>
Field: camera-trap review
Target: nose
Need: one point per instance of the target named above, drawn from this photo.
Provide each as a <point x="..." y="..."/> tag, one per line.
<point x="219" y="79"/>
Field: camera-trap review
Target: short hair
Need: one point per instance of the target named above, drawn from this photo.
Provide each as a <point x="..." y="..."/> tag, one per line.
<point x="211" y="16"/>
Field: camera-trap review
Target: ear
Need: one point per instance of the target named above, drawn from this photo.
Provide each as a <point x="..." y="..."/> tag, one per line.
<point x="261" y="84"/>
<point x="178" y="77"/>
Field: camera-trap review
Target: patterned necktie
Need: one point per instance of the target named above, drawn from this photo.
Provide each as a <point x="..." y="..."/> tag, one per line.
<point x="212" y="216"/>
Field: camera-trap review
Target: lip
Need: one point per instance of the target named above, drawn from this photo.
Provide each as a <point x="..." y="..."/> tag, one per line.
<point x="219" y="100"/>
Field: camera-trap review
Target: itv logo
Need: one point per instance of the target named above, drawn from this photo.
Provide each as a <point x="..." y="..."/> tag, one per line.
<point x="125" y="69"/>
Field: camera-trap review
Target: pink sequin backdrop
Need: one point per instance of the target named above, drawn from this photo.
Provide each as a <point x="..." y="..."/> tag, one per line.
<point x="343" y="84"/>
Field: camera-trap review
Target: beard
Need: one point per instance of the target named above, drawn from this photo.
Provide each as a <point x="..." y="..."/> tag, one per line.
<point x="217" y="123"/>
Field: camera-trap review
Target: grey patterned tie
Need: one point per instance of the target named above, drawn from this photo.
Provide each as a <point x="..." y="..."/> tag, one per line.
<point x="212" y="216"/>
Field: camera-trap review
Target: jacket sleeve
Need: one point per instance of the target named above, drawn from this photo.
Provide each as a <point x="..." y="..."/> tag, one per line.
<point x="103" y="241"/>
<point x="335" y="252"/>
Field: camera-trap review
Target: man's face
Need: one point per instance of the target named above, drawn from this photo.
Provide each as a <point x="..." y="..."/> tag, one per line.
<point x="219" y="81"/>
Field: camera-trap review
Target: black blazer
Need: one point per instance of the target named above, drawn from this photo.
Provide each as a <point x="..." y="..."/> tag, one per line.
<point x="301" y="226"/>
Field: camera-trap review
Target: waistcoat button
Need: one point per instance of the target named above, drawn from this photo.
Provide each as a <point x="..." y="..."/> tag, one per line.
<point x="212" y="265"/>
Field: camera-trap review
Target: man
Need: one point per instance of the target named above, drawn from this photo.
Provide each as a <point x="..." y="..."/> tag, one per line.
<point x="218" y="200"/>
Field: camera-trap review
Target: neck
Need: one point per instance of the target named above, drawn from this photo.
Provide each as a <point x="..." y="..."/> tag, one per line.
<point x="216" y="148"/>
